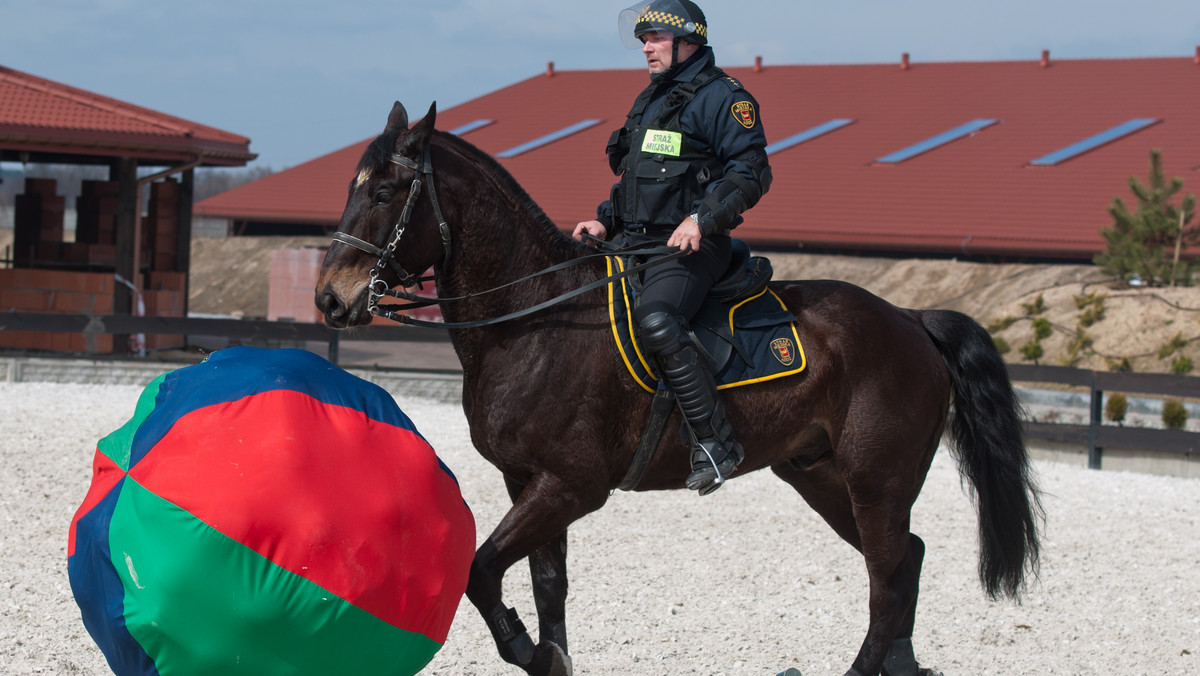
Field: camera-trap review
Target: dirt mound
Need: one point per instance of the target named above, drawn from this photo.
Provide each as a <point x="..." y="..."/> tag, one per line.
<point x="1149" y="327"/>
<point x="232" y="275"/>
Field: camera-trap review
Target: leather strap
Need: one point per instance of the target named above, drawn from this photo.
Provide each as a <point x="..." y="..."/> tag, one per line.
<point x="365" y="247"/>
<point x="660" y="409"/>
<point x="387" y="311"/>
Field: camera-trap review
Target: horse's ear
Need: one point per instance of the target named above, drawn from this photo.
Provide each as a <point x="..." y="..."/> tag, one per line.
<point x="398" y="118"/>
<point x="431" y="115"/>
<point x="419" y="135"/>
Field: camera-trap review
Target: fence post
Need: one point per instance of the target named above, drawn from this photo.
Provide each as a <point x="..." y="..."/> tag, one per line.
<point x="333" y="347"/>
<point x="1097" y="411"/>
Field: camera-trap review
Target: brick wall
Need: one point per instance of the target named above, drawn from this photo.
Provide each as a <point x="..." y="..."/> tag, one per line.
<point x="164" y="296"/>
<point x="160" y="227"/>
<point x="38" y="236"/>
<point x="36" y="290"/>
<point x="38" y="222"/>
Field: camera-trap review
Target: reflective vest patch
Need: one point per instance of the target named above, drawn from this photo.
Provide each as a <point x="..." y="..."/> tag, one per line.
<point x="661" y="142"/>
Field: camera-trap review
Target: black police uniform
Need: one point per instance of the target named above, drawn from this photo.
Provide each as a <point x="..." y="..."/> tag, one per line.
<point x="692" y="145"/>
<point x="716" y="169"/>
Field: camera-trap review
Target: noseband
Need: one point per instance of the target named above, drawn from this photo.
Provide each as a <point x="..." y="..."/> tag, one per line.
<point x="387" y="255"/>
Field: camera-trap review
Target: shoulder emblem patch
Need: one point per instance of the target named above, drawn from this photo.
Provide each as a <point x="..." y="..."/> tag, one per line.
<point x="743" y="112"/>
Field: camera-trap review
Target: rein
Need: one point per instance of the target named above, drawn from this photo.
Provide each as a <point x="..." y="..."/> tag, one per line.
<point x="378" y="288"/>
<point x="389" y="311"/>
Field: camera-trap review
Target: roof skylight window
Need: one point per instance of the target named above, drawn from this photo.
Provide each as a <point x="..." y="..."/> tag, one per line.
<point x="549" y="138"/>
<point x="1094" y="141"/>
<point x="935" y="141"/>
<point x="807" y="135"/>
<point x="470" y="127"/>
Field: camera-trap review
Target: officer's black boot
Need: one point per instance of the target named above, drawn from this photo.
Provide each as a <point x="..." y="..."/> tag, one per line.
<point x="715" y="452"/>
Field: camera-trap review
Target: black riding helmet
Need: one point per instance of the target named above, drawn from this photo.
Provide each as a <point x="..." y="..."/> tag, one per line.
<point x="681" y="18"/>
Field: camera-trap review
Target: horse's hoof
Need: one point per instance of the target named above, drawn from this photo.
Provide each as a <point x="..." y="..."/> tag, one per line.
<point x="791" y="671"/>
<point x="550" y="660"/>
<point x="919" y="671"/>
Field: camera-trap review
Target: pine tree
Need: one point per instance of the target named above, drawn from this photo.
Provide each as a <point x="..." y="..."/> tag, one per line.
<point x="1149" y="243"/>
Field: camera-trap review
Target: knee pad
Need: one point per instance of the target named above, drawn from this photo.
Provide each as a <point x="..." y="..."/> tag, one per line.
<point x="662" y="330"/>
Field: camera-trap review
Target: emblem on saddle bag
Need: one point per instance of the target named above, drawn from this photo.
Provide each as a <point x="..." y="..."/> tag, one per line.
<point x="784" y="351"/>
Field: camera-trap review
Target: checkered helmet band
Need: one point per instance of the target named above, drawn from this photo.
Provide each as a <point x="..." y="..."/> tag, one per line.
<point x="656" y="20"/>
<point x="681" y="18"/>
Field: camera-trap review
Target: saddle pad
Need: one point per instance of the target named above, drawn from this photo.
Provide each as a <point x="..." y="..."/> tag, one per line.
<point x="761" y="326"/>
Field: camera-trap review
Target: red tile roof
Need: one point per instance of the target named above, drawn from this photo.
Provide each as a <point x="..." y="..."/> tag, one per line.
<point x="42" y="116"/>
<point x="975" y="195"/>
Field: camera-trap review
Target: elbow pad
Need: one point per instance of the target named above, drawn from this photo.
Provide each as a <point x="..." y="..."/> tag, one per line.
<point x="604" y="214"/>
<point x="735" y="194"/>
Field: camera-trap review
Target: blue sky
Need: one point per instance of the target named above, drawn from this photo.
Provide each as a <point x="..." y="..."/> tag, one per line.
<point x="303" y="78"/>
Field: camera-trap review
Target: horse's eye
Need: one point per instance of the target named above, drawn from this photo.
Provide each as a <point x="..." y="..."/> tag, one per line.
<point x="382" y="197"/>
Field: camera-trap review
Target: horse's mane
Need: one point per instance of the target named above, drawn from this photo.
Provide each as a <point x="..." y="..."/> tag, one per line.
<point x="496" y="172"/>
<point x="379" y="152"/>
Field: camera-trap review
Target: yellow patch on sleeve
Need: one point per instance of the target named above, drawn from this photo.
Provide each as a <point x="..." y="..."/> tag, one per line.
<point x="743" y="112"/>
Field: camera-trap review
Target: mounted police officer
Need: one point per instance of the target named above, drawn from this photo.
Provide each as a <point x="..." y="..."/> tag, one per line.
<point x="691" y="158"/>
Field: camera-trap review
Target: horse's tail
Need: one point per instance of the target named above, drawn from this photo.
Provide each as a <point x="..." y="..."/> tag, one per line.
<point x="987" y="433"/>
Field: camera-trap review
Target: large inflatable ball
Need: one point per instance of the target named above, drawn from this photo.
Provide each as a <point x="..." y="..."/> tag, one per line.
<point x="265" y="512"/>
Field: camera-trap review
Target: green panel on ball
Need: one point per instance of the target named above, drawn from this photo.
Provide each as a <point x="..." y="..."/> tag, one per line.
<point x="118" y="445"/>
<point x="201" y="603"/>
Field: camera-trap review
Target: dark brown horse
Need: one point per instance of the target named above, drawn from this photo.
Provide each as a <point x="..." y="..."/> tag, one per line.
<point x="551" y="405"/>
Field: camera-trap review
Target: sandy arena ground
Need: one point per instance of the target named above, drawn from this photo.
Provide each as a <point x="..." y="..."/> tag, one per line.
<point x="746" y="581"/>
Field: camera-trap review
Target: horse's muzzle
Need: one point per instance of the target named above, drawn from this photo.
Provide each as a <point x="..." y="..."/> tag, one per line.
<point x="338" y="313"/>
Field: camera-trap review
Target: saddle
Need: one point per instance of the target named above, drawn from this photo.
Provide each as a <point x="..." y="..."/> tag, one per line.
<point x="743" y="329"/>
<point x="740" y="323"/>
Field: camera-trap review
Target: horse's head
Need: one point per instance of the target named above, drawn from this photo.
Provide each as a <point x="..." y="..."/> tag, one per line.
<point x="389" y="231"/>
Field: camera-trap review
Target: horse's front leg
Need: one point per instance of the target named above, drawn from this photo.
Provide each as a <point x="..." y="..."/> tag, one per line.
<point x="548" y="572"/>
<point x="535" y="527"/>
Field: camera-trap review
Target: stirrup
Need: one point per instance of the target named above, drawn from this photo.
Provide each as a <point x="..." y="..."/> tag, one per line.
<point x="709" y="474"/>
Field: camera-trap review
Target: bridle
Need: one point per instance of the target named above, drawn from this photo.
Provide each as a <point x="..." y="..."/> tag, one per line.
<point x="386" y="256"/>
<point x="378" y="288"/>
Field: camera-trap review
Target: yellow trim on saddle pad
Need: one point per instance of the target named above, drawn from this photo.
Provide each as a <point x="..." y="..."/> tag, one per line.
<point x="626" y="320"/>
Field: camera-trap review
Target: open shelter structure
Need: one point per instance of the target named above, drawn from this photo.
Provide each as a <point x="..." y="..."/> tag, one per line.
<point x="120" y="261"/>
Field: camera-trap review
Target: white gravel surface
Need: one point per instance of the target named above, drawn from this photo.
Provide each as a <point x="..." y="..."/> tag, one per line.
<point x="746" y="581"/>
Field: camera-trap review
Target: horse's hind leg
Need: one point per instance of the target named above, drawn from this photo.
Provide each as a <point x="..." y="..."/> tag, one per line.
<point x="893" y="557"/>
<point x="900" y="659"/>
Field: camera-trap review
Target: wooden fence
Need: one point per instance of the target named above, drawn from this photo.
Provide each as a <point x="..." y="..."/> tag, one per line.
<point x="1095" y="435"/>
<point x="247" y="331"/>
